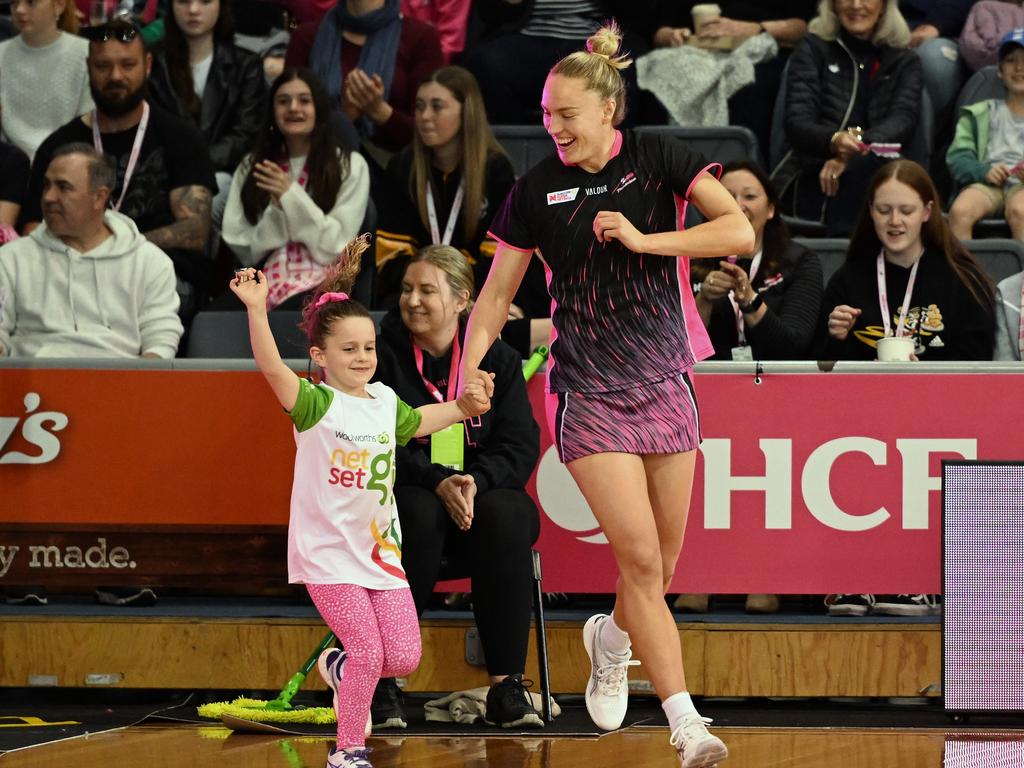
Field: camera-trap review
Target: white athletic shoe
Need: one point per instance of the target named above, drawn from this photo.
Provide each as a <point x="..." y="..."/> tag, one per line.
<point x="697" y="748"/>
<point x="607" y="692"/>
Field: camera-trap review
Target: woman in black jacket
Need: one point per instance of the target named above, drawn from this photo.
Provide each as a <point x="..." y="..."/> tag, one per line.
<point x="851" y="83"/>
<point x="475" y="510"/>
<point x="772" y="296"/>
<point x="204" y="77"/>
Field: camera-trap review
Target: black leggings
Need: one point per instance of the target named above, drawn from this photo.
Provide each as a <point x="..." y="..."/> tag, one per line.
<point x="495" y="551"/>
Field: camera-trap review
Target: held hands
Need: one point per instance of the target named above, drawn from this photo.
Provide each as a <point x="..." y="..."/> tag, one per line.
<point x="841" y="320"/>
<point x="743" y="291"/>
<point x="250" y="285"/>
<point x="475" y="395"/>
<point x="364" y="95"/>
<point x="271" y="178"/>
<point x="457" y="493"/>
<point x="612" y="225"/>
<point x="729" y="277"/>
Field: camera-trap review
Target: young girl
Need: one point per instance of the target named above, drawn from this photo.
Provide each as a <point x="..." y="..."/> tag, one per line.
<point x="344" y="539"/>
<point x="298" y="197"/>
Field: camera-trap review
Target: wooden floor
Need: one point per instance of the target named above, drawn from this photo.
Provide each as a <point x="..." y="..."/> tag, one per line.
<point x="163" y="746"/>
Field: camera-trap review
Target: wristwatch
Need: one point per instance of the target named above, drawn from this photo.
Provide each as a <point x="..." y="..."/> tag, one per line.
<point x="751" y="306"/>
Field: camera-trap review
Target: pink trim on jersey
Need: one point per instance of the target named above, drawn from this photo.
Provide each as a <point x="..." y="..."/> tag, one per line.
<point x="700" y="342"/>
<point x="706" y="169"/>
<point x="617" y="144"/>
<point x="508" y="245"/>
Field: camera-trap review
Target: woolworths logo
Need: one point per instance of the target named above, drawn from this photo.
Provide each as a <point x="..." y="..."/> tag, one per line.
<point x="383" y="438"/>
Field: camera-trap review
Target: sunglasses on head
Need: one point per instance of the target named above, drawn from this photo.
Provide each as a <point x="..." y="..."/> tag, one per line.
<point x="123" y="33"/>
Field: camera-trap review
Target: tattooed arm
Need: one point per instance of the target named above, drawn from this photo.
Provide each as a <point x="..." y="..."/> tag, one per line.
<point x="191" y="229"/>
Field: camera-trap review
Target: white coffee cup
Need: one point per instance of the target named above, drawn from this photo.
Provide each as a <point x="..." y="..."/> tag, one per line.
<point x="895" y="348"/>
<point x="704" y="13"/>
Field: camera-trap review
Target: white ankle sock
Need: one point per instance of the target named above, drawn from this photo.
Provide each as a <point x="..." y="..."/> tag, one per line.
<point x="613" y="638"/>
<point x="677" y="707"/>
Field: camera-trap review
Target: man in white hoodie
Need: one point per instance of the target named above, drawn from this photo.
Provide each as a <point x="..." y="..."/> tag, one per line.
<point x="86" y="283"/>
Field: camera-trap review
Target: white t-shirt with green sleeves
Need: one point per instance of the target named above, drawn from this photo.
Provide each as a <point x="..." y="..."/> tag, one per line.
<point x="344" y="526"/>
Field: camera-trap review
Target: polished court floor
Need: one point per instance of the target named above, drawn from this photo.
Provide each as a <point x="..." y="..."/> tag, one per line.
<point x="163" y="746"/>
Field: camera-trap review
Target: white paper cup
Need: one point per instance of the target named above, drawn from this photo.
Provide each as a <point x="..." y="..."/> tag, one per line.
<point x="704" y="13"/>
<point x="895" y="349"/>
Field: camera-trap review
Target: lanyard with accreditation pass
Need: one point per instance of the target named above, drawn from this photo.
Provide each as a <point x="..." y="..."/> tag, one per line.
<point x="449" y="227"/>
<point x="883" y="297"/>
<point x="741" y="351"/>
<point x="133" y="158"/>
<point x="447" y="446"/>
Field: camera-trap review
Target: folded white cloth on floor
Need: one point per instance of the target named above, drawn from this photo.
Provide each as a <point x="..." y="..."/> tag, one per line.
<point x="466" y="707"/>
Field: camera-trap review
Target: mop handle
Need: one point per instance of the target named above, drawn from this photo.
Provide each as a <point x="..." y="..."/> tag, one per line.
<point x="534" y="362"/>
<point x="284" y="698"/>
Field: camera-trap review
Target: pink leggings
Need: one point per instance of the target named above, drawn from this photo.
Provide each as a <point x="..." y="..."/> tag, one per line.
<point x="381" y="635"/>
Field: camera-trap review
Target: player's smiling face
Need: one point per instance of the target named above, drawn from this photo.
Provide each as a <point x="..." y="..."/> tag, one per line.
<point x="578" y="120"/>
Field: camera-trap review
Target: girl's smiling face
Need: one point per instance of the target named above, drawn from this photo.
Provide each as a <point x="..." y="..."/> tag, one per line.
<point x="349" y="354"/>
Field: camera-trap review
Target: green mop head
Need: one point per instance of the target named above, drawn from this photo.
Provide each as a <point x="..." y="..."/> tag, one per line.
<point x="279" y="710"/>
<point x="256" y="710"/>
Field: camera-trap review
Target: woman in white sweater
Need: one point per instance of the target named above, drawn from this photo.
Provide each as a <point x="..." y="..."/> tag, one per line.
<point x="43" y="78"/>
<point x="298" y="197"/>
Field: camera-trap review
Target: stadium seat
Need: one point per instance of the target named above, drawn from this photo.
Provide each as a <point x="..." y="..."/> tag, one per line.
<point x="983" y="84"/>
<point x="226" y="335"/>
<point x="527" y="145"/>
<point x="1000" y="258"/>
<point x="831" y="251"/>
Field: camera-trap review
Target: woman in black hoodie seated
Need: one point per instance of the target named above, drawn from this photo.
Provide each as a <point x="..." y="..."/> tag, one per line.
<point x="852" y="82"/>
<point x="473" y="508"/>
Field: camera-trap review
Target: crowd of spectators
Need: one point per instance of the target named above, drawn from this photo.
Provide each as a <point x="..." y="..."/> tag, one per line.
<point x="158" y="145"/>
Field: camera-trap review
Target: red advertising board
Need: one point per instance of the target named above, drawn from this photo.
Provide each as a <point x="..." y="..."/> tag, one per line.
<point x="810" y="482"/>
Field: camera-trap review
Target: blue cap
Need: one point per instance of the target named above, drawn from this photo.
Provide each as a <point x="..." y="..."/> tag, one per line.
<point x="1015" y="37"/>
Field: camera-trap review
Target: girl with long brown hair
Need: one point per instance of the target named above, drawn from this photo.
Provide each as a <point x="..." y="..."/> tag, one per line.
<point x="445" y="187"/>
<point x="906" y="274"/>
<point x="297" y="197"/>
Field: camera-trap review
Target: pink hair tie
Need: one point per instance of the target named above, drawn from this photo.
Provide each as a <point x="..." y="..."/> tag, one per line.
<point x="330" y="296"/>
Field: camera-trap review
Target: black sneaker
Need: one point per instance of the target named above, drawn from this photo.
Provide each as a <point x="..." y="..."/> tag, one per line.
<point x="849" y="605"/>
<point x="906" y="605"/>
<point x="136" y="597"/>
<point x="25" y="595"/>
<point x="508" y="705"/>
<point x="386" y="707"/>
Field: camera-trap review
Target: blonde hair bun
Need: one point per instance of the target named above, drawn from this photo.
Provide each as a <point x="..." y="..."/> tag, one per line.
<point x="606" y="42"/>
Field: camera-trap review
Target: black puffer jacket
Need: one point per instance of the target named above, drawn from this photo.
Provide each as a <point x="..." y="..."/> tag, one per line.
<point x="234" y="103"/>
<point x="823" y="81"/>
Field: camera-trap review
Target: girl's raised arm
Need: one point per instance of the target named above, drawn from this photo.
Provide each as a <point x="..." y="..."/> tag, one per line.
<point x="250" y="286"/>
